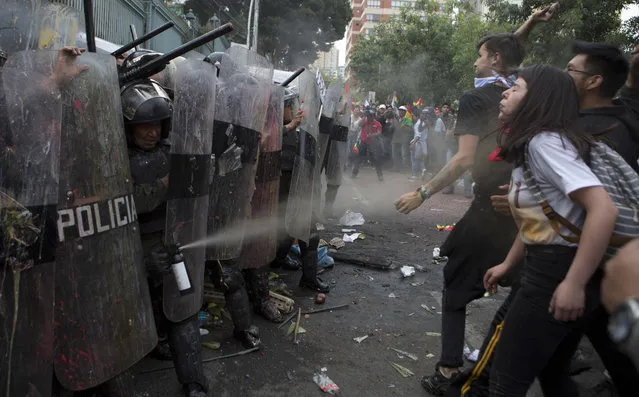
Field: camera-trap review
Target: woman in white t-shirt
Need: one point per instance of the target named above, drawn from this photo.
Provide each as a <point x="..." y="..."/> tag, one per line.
<point x="544" y="324"/>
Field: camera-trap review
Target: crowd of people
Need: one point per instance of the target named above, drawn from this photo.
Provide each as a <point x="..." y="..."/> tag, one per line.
<point x="104" y="178"/>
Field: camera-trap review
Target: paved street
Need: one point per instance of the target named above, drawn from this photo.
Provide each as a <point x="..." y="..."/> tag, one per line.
<point x="360" y="369"/>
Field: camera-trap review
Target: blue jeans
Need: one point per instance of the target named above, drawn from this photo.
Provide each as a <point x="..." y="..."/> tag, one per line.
<point x="416" y="161"/>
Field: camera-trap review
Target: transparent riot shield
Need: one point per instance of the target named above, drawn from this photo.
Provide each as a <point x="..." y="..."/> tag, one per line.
<point x="330" y="103"/>
<point x="104" y="318"/>
<point x="338" y="149"/>
<point x="299" y="208"/>
<point x="240" y="115"/>
<point x="189" y="177"/>
<point x="261" y="248"/>
<point x="30" y="114"/>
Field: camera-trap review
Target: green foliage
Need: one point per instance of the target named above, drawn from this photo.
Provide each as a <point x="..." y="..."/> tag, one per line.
<point x="432" y="57"/>
<point x="429" y="57"/>
<point x="291" y="32"/>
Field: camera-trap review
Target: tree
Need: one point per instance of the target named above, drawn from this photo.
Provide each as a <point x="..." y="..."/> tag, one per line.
<point x="291" y="32"/>
<point x="428" y="57"/>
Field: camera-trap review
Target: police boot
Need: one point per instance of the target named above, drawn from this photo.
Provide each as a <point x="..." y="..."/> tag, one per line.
<point x="283" y="259"/>
<point x="239" y="307"/>
<point x="331" y="194"/>
<point x="184" y="338"/>
<point x="309" y="266"/>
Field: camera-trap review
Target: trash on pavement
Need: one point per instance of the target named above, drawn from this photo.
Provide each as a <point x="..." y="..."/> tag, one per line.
<point x="403" y="371"/>
<point x="445" y="228"/>
<point x="392" y="295"/>
<point x="325" y="383"/>
<point x="407" y="271"/>
<point x="204" y="332"/>
<point x="349" y="230"/>
<point x="351" y="218"/>
<point x="320" y="298"/>
<point x="291" y="329"/>
<point x="430" y="355"/>
<point x="418" y="283"/>
<point x="407" y="354"/>
<point x="433" y="334"/>
<point x="211" y="345"/>
<point x="413" y="235"/>
<point x="471" y="356"/>
<point x="349" y="238"/>
<point x="360" y="338"/>
<point x="319" y="227"/>
<point x="436" y="253"/>
<point x="336" y="243"/>
<point x="322" y="243"/>
<point x="420" y="268"/>
<point x="284" y="304"/>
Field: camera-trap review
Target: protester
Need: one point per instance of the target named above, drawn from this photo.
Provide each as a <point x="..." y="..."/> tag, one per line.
<point x="418" y="146"/>
<point x="367" y="147"/>
<point x="401" y="140"/>
<point x="546" y="319"/>
<point x="482" y="237"/>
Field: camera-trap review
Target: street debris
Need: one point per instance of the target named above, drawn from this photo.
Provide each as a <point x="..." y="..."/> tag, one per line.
<point x="212" y="345"/>
<point x="322" y="243"/>
<point x="406" y="354"/>
<point x="319" y="227"/>
<point x="363" y="260"/>
<point x="206" y="360"/>
<point x="407" y="271"/>
<point x="392" y="295"/>
<point x="320" y="298"/>
<point x="291" y="329"/>
<point x="336" y="243"/>
<point x="349" y="230"/>
<point x="403" y="371"/>
<point x="349" y="238"/>
<point x="418" y="283"/>
<point x="204" y="332"/>
<point x="297" y="325"/>
<point x="433" y="334"/>
<point x="445" y="228"/>
<point x="471" y="356"/>
<point x="437" y="259"/>
<point x="420" y="268"/>
<point x="436" y="253"/>
<point x="430" y="355"/>
<point x="360" y="338"/>
<point x="351" y="218"/>
<point x="325" y="383"/>
<point x="413" y="235"/>
<point x="284" y="304"/>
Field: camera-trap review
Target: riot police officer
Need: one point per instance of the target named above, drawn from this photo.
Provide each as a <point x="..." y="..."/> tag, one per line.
<point x="147" y="111"/>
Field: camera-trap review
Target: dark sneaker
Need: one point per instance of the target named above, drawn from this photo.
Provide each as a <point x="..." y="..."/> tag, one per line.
<point x="437" y="384"/>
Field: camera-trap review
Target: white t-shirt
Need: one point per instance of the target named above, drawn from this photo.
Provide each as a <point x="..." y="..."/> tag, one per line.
<point x="559" y="171"/>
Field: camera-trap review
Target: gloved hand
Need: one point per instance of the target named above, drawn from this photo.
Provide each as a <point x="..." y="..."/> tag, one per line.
<point x="158" y="261"/>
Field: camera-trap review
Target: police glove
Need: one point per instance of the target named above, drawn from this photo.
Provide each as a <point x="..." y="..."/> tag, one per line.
<point x="158" y="261"/>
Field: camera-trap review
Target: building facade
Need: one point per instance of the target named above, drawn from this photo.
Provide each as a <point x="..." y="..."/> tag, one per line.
<point x="328" y="62"/>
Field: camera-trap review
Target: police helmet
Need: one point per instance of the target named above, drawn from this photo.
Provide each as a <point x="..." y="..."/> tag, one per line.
<point x="145" y="101"/>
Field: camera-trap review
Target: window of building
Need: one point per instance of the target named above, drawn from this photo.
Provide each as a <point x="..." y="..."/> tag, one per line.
<point x="374" y="3"/>
<point x="373" y="17"/>
<point x="397" y="4"/>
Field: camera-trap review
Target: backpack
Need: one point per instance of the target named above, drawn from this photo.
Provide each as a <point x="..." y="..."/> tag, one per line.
<point x="620" y="181"/>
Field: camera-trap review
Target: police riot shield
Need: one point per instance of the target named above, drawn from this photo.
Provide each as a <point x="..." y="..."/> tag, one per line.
<point x="261" y="249"/>
<point x="300" y="205"/>
<point x="330" y="103"/>
<point x="240" y="115"/>
<point x="30" y="114"/>
<point x="189" y="177"/>
<point x="104" y="318"/>
<point x="335" y="160"/>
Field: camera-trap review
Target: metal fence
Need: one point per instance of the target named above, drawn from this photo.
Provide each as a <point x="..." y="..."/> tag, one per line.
<point x="114" y="17"/>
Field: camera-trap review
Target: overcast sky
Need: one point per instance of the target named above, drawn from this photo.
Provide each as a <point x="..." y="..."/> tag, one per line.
<point x="628" y="12"/>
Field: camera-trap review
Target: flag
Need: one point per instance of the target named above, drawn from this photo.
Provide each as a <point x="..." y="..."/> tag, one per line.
<point x="366" y="104"/>
<point x="418" y="102"/>
<point x="395" y="100"/>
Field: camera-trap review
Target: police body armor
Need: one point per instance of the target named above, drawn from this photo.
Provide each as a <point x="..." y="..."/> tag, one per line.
<point x="104" y="318"/>
<point x="305" y="175"/>
<point x="29" y="171"/>
<point x="262" y="249"/>
<point x="240" y="115"/>
<point x="189" y="178"/>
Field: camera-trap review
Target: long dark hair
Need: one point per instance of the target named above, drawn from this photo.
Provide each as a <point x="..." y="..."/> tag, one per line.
<point x="550" y="105"/>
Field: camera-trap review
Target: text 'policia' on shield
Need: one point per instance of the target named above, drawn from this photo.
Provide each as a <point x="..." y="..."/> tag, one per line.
<point x="90" y="219"/>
